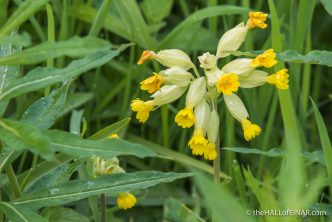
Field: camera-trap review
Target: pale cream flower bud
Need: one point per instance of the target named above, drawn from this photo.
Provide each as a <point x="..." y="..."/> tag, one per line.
<point x="231" y="40"/>
<point x="254" y="79"/>
<point x="213" y="75"/>
<point x="207" y="61"/>
<point x="202" y="115"/>
<point x="174" y="57"/>
<point x="213" y="128"/>
<point x="196" y="92"/>
<point x="176" y="75"/>
<point x="236" y="107"/>
<point x="239" y="67"/>
<point x="167" y="94"/>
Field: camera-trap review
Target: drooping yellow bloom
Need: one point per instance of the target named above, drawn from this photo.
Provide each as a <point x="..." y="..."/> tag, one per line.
<point x="126" y="200"/>
<point x="146" y="55"/>
<point x="153" y="83"/>
<point x="113" y="136"/>
<point x="279" y="79"/>
<point x="257" y="19"/>
<point x="185" y="117"/>
<point x="198" y="142"/>
<point x="142" y="108"/>
<point x="210" y="153"/>
<point x="228" y="83"/>
<point x="250" y="130"/>
<point x="267" y="59"/>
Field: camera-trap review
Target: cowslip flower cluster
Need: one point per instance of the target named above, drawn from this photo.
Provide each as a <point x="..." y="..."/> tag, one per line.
<point x="200" y="107"/>
<point x="101" y="166"/>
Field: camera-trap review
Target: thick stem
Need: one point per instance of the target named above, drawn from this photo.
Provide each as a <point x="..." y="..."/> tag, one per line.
<point x="13" y="181"/>
<point x="102" y="208"/>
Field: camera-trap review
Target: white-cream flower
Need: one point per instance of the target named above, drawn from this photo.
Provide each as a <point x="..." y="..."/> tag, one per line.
<point x="167" y="94"/>
<point x="196" y="92"/>
<point x="177" y="76"/>
<point x="174" y="57"/>
<point x="207" y="61"/>
<point x="238" y="66"/>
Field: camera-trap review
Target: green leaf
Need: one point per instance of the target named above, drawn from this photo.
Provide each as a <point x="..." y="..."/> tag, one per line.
<point x="73" y="47"/>
<point x="23" y="136"/>
<point x="134" y="22"/>
<point x="108" y="184"/>
<point x="313" y="57"/>
<point x="20" y="214"/>
<point x="199" y="16"/>
<point x="16" y="40"/>
<point x="63" y="214"/>
<point x="111" y="129"/>
<point x="221" y="201"/>
<point x="275" y="152"/>
<point x="327" y="5"/>
<point x="326" y="143"/>
<point x="74" y="101"/>
<point x="176" y="211"/>
<point x="24" y="11"/>
<point x="42" y="77"/>
<point x="44" y="112"/>
<point x="156" y="10"/>
<point x="7" y="156"/>
<point x="76" y="146"/>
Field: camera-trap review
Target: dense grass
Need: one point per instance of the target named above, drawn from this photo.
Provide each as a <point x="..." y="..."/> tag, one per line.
<point x="67" y="65"/>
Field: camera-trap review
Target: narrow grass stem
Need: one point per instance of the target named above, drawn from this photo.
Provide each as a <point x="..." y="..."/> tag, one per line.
<point x="99" y="20"/>
<point x="102" y="208"/>
<point x="1" y="214"/>
<point x="196" y="72"/>
<point x="13" y="181"/>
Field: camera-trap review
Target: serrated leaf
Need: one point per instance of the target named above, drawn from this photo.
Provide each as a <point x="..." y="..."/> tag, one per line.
<point x="20" y="214"/>
<point x="108" y="184"/>
<point x="313" y="57"/>
<point x="24" y="11"/>
<point x="23" y="136"/>
<point x="76" y="146"/>
<point x="73" y="47"/>
<point x="42" y="77"/>
<point x="43" y="112"/>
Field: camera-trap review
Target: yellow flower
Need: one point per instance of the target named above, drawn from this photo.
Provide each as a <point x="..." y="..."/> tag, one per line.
<point x="126" y="200"/>
<point x="267" y="59"/>
<point x="250" y="130"/>
<point x="185" y="117"/>
<point x="257" y="19"/>
<point x="279" y="79"/>
<point x="210" y="153"/>
<point x="142" y="108"/>
<point x="113" y="136"/>
<point x="152" y="83"/>
<point x="198" y="142"/>
<point x="228" y="83"/>
<point x="146" y="55"/>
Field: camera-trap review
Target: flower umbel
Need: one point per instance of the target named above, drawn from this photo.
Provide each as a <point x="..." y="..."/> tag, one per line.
<point x="142" y="108"/>
<point x="152" y="83"/>
<point x="146" y="55"/>
<point x="198" y="143"/>
<point x="267" y="59"/>
<point x="228" y="83"/>
<point x="257" y="19"/>
<point x="126" y="200"/>
<point x="279" y="79"/>
<point x="185" y="117"/>
<point x="250" y="130"/>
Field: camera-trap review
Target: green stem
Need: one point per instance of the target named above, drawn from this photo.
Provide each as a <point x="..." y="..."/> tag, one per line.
<point x="1" y="214"/>
<point x="196" y="72"/>
<point x="13" y="181"/>
<point x="99" y="20"/>
<point x="102" y="208"/>
<point x="50" y="38"/>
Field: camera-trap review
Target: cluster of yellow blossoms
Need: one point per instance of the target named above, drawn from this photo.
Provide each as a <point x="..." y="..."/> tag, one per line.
<point x="101" y="166"/>
<point x="200" y="109"/>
